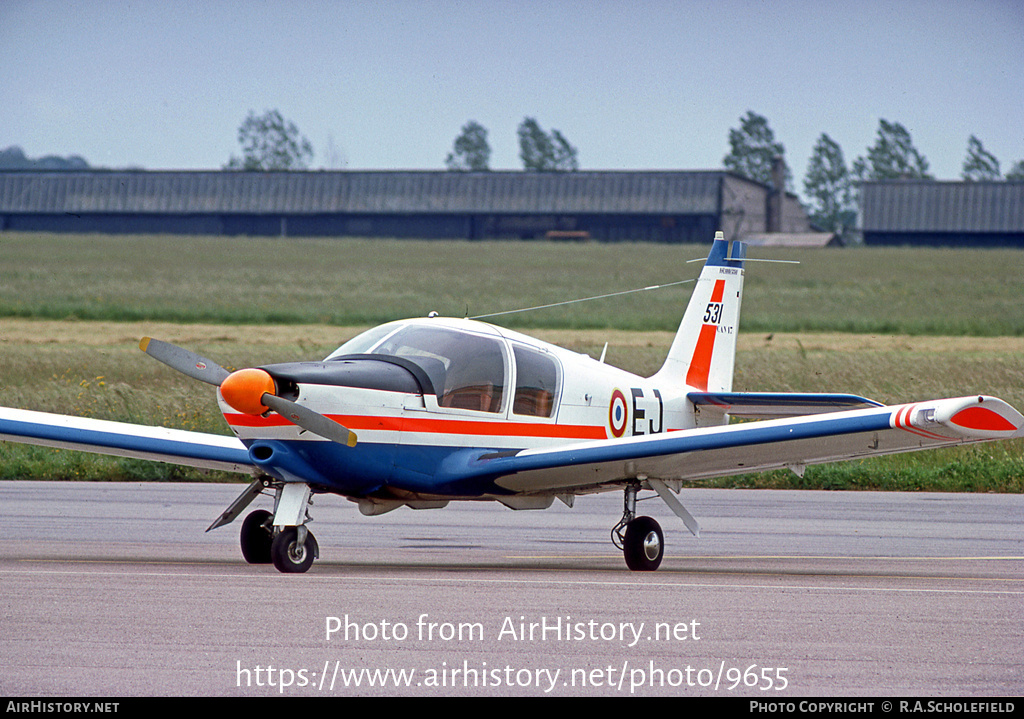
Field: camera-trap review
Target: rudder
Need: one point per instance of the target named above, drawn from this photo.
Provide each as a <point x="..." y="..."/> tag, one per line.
<point x="703" y="352"/>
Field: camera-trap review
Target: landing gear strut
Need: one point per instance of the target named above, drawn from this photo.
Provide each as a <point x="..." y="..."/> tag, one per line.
<point x="640" y="538"/>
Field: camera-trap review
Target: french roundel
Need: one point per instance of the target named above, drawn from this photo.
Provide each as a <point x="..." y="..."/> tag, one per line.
<point x="618" y="414"/>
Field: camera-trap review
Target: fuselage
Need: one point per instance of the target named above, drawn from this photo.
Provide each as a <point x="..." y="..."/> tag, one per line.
<point x="423" y="392"/>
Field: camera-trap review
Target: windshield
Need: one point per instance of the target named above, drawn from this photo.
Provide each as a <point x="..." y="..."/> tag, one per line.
<point x="364" y="342"/>
<point x="467" y="370"/>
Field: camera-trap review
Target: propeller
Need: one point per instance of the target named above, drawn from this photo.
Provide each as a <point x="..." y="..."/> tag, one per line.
<point x="184" y="361"/>
<point x="250" y="391"/>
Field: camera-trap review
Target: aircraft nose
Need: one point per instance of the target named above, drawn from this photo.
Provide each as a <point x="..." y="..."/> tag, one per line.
<point x="244" y="390"/>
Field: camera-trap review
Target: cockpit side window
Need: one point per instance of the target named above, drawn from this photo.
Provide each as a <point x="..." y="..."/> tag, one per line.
<point x="536" y="383"/>
<point x="476" y="376"/>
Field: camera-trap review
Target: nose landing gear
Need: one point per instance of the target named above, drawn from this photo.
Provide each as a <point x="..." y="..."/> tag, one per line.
<point x="282" y="538"/>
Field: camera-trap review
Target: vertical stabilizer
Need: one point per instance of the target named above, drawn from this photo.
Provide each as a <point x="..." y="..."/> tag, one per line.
<point x="703" y="352"/>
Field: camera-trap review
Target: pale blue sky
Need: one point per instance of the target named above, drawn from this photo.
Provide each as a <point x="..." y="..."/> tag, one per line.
<point x="388" y="84"/>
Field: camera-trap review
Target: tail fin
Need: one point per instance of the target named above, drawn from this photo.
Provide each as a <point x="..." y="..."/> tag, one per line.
<point x="703" y="352"/>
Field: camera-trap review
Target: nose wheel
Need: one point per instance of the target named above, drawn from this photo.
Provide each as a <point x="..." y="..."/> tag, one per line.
<point x="294" y="549"/>
<point x="640" y="538"/>
<point x="282" y="538"/>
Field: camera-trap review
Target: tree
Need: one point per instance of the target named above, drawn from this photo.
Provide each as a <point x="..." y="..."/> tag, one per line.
<point x="827" y="183"/>
<point x="470" y="150"/>
<point x="542" y="152"/>
<point x="535" y="148"/>
<point x="980" y="164"/>
<point x="565" y="154"/>
<point x="892" y="157"/>
<point x="753" y="149"/>
<point x="270" y="143"/>
<point x="1016" y="172"/>
<point x="13" y="158"/>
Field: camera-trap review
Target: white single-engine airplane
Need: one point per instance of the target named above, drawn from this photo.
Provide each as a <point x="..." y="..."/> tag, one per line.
<point x="449" y="409"/>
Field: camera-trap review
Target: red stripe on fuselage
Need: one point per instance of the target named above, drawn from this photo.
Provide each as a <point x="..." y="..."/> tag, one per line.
<point x="432" y="425"/>
<point x="700" y="363"/>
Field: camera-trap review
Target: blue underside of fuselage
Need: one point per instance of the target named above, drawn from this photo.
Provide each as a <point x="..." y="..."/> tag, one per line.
<point x="370" y="468"/>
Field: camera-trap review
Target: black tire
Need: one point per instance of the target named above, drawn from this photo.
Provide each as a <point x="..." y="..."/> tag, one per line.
<point x="257" y="536"/>
<point x="643" y="545"/>
<point x="291" y="557"/>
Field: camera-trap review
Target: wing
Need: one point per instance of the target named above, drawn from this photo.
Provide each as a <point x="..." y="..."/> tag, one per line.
<point x="175" y="446"/>
<point x="752" y="446"/>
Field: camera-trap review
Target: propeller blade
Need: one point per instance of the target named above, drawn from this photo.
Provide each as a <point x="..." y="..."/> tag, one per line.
<point x="309" y="420"/>
<point x="184" y="361"/>
<point x="202" y="369"/>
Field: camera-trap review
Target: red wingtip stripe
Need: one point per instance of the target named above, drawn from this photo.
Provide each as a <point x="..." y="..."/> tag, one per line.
<point x="981" y="418"/>
<point x="902" y="421"/>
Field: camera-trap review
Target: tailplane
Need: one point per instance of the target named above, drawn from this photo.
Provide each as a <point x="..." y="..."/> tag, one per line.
<point x="703" y="352"/>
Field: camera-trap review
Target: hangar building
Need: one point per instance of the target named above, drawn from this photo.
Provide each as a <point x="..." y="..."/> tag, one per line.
<point x="654" y="206"/>
<point x="928" y="212"/>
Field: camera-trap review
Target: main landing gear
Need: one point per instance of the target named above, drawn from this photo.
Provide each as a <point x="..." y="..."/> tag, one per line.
<point x="268" y="538"/>
<point x="640" y="538"/>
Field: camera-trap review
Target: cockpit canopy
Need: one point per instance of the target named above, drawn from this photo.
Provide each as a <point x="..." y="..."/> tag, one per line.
<point x="468" y="370"/>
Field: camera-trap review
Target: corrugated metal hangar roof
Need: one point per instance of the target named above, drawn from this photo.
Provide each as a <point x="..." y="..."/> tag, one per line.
<point x="296" y="193"/>
<point x="928" y="206"/>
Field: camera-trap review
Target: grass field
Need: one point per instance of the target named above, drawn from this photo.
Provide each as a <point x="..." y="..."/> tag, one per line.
<point x="95" y="369"/>
<point x="349" y="282"/>
<point x="894" y="325"/>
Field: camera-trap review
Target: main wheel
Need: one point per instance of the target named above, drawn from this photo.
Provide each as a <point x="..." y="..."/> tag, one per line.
<point x="257" y="536"/>
<point x="290" y="556"/>
<point x="643" y="545"/>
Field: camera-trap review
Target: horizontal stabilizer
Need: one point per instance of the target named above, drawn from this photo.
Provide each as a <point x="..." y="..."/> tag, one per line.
<point x="773" y="405"/>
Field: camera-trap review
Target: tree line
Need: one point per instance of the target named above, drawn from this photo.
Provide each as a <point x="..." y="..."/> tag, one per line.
<point x="539" y="151"/>
<point x="830" y="184"/>
<point x="14" y="158"/>
<point x="269" y="142"/>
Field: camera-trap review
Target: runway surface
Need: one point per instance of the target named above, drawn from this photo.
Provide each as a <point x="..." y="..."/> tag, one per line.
<point x="115" y="590"/>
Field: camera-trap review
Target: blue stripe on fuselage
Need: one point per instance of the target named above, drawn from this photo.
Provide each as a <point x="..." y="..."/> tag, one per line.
<point x="370" y="467"/>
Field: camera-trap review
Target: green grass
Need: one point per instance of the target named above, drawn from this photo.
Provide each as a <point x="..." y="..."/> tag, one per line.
<point x="344" y="282"/>
<point x="997" y="468"/>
